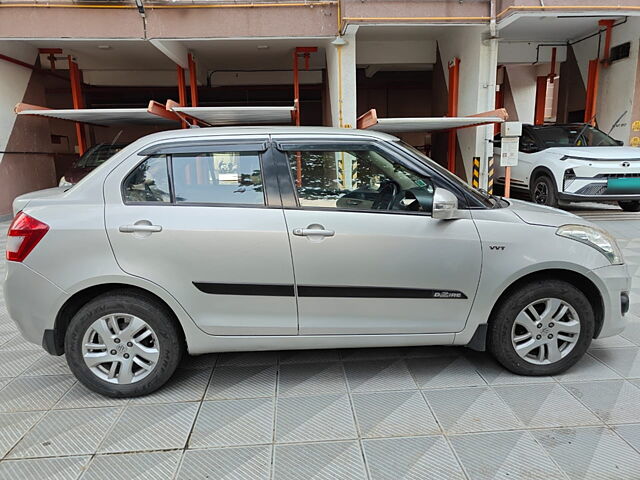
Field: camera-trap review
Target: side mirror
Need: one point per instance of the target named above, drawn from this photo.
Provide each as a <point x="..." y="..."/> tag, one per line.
<point x="445" y="204"/>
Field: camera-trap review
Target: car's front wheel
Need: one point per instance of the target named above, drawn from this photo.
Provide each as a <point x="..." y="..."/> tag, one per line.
<point x="544" y="192"/>
<point x="541" y="328"/>
<point x="123" y="344"/>
<point x="630" y="205"/>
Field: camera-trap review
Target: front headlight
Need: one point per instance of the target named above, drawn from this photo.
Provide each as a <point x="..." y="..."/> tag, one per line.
<point x="594" y="237"/>
<point x="64" y="183"/>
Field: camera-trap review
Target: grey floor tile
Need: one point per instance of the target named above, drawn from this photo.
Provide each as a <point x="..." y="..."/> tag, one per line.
<point x="434" y="351"/>
<point x="441" y="372"/>
<point x="134" y="466"/>
<point x="311" y="379"/>
<point x="248" y="358"/>
<point x="590" y="453"/>
<point x="13" y="363"/>
<point x="379" y="375"/>
<point x="632" y="332"/>
<point x="151" y="427"/>
<point x="242" y="382"/>
<point x="319" y="461"/>
<point x="20" y="344"/>
<point x="199" y="361"/>
<point x="474" y="409"/>
<point x="235" y="463"/>
<point x="393" y="414"/>
<point x="233" y="422"/>
<point x="625" y="361"/>
<point x="495" y="374"/>
<point x="13" y="426"/>
<point x="66" y="432"/>
<point x="306" y="419"/>
<point x="359" y="354"/>
<point x="80" y="396"/>
<point x="545" y="405"/>
<point x="309" y="356"/>
<point x="504" y="455"/>
<point x="186" y="385"/>
<point x="411" y="458"/>
<point x="611" y="342"/>
<point x="588" y="368"/>
<point x="49" y="365"/>
<point x="630" y="433"/>
<point x="67" y="468"/>
<point x="614" y="401"/>
<point x="34" y="393"/>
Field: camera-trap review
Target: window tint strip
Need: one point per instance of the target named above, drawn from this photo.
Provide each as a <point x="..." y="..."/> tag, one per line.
<point x="325" y="292"/>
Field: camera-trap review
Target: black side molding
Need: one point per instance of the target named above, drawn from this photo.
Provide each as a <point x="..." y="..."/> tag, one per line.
<point x="265" y="290"/>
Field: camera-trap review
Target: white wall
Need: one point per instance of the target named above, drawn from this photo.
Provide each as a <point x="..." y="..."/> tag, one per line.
<point x="617" y="82"/>
<point x="525" y="52"/>
<point x="14" y="80"/>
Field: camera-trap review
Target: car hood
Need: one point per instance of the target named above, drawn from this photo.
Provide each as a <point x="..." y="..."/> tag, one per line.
<point x="534" y="214"/>
<point x="597" y="153"/>
<point x="23" y="200"/>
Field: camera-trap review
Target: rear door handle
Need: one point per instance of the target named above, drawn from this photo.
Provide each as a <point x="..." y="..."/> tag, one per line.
<point x="143" y="227"/>
<point x="313" y="232"/>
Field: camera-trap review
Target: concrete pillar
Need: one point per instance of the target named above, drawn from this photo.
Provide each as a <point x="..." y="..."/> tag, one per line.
<point x="341" y="74"/>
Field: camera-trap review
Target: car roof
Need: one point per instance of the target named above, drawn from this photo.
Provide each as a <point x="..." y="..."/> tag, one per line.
<point x="261" y="130"/>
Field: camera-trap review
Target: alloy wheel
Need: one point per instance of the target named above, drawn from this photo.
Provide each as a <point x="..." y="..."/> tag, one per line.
<point x="120" y="348"/>
<point x="545" y="331"/>
<point x="541" y="193"/>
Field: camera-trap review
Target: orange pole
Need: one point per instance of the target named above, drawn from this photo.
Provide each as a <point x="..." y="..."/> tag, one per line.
<point x="592" y="91"/>
<point x="608" y="24"/>
<point x="182" y="90"/>
<point x="193" y="82"/>
<point x="78" y="102"/>
<point x="454" y="81"/>
<point x="507" y="181"/>
<point x="541" y="100"/>
<point x="499" y="101"/>
<point x="552" y="72"/>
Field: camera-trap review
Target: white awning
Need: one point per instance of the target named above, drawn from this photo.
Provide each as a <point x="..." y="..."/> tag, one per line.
<point x="104" y="116"/>
<point x="429" y="124"/>
<point x="218" y="116"/>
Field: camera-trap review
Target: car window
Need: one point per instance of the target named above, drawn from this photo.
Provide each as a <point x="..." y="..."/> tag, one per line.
<point x="357" y="180"/>
<point x="574" y="135"/>
<point x="527" y="142"/>
<point x="149" y="182"/>
<point x="218" y="177"/>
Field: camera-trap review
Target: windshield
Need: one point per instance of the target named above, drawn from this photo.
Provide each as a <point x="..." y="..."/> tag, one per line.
<point x="573" y="136"/>
<point x="97" y="155"/>
<point x="483" y="197"/>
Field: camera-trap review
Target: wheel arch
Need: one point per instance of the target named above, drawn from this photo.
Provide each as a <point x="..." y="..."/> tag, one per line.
<point x="72" y="305"/>
<point x="539" y="171"/>
<point x="581" y="282"/>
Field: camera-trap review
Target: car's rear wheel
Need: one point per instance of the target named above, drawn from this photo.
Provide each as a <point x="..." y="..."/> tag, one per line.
<point x="123" y="345"/>
<point x="630" y="205"/>
<point x="544" y="192"/>
<point x="541" y="328"/>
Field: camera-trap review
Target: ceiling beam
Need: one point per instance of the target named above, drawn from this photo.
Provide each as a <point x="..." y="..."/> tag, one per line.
<point x="173" y="49"/>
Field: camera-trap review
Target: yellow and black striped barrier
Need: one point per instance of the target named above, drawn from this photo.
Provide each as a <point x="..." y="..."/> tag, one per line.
<point x="475" y="180"/>
<point x="490" y="176"/>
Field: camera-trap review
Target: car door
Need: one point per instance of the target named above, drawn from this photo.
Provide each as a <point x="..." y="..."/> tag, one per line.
<point x="365" y="261"/>
<point x="201" y="221"/>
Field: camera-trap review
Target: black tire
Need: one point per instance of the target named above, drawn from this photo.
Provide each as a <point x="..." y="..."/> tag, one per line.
<point x="156" y="315"/>
<point x="543" y="191"/>
<point x="630" y="205"/>
<point x="499" y="339"/>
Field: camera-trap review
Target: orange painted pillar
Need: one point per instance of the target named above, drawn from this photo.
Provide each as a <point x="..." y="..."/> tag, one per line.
<point x="78" y="102"/>
<point x="182" y="91"/>
<point x="592" y="91"/>
<point x="541" y="100"/>
<point x="454" y="82"/>
<point x="608" y="24"/>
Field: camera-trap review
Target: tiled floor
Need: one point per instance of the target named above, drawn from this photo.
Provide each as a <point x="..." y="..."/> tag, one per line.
<point x="414" y="413"/>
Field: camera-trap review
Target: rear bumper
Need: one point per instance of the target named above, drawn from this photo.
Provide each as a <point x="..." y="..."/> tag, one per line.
<point x="614" y="284"/>
<point x="32" y="302"/>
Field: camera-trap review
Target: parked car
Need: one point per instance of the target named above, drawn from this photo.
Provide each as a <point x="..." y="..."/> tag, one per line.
<point x="236" y="239"/>
<point x="574" y="163"/>
<point x="92" y="158"/>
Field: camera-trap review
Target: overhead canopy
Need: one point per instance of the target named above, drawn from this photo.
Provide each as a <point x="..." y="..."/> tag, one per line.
<point x="370" y="121"/>
<point x="101" y="116"/>
<point x="218" y="116"/>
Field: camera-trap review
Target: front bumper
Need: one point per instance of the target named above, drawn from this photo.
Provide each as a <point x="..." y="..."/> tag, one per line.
<point x="600" y="188"/>
<point x="574" y="197"/>
<point x="32" y="301"/>
<point x="614" y="284"/>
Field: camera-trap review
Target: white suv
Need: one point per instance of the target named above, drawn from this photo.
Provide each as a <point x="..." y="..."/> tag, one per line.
<point x="232" y="239"/>
<point x="574" y="163"/>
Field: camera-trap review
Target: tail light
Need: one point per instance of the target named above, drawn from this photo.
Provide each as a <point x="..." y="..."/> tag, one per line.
<point x="24" y="234"/>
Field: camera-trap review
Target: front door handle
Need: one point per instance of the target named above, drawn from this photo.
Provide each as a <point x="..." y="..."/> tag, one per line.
<point x="313" y="232"/>
<point x="140" y="227"/>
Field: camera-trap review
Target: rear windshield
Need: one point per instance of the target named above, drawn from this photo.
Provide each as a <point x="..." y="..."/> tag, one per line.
<point x="97" y="155"/>
<point x="573" y="136"/>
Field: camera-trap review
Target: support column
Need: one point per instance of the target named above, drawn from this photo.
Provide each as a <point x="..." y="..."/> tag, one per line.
<point x="341" y="72"/>
<point x="452" y="111"/>
<point x="541" y="99"/>
<point x="182" y="91"/>
<point x="78" y="102"/>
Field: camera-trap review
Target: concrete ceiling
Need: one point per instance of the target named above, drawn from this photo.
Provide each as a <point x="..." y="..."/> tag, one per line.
<point x="550" y="28"/>
<point x="401" y="33"/>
